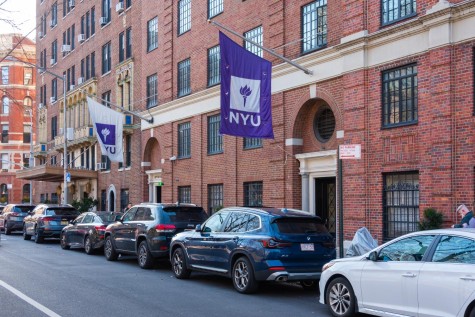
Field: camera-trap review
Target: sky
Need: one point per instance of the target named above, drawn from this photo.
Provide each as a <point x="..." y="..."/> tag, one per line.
<point x="23" y="12"/>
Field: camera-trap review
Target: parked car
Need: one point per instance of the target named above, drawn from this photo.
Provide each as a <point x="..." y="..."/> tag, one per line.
<point x="426" y="273"/>
<point x="87" y="230"/>
<point x="251" y="245"/>
<point x="146" y="230"/>
<point x="47" y="221"/>
<point x="11" y="218"/>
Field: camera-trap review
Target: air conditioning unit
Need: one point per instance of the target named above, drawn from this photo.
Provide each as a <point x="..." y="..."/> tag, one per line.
<point x="119" y="7"/>
<point x="100" y="166"/>
<point x="65" y="48"/>
<point x="128" y="119"/>
<point x="52" y="23"/>
<point x="52" y="61"/>
<point x="72" y="4"/>
<point x="81" y="38"/>
<point x="70" y="134"/>
<point x="40" y="105"/>
<point x="60" y="131"/>
<point x="40" y="34"/>
<point x="103" y="21"/>
<point x="52" y="99"/>
<point x="80" y="80"/>
<point x="71" y="87"/>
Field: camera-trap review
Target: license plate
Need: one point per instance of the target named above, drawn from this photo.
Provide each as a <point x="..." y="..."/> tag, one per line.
<point x="64" y="222"/>
<point x="307" y="247"/>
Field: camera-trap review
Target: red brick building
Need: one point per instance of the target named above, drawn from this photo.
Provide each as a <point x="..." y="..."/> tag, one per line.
<point x="396" y="79"/>
<point x="17" y="115"/>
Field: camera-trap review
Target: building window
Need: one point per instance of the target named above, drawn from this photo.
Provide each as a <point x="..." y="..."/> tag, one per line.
<point x="26" y="133"/>
<point x="214" y="66"/>
<point x="5" y="75"/>
<point x="215" y="139"/>
<point x="215" y="7"/>
<point x="314" y="25"/>
<point x="26" y="160"/>
<point x="5" y="129"/>
<point x="128" y="150"/>
<point x="124" y="199"/>
<point x="54" y="52"/>
<point x="152" y="34"/>
<point x="184" y="194"/>
<point x="253" y="194"/>
<point x="128" y="43"/>
<point x="395" y="10"/>
<point x="252" y="143"/>
<point x="400" y="204"/>
<point x="54" y="14"/>
<point x="215" y="198"/>
<point x="54" y="88"/>
<point x="184" y="140"/>
<point x="103" y="200"/>
<point x="121" y="47"/>
<point x="5" y="105"/>
<point x="105" y="163"/>
<point x="5" y="162"/>
<point x="26" y="193"/>
<point x="184" y="16"/>
<point x="106" y="98"/>
<point x="152" y="99"/>
<point x="54" y="127"/>
<point x="27" y="76"/>
<point x="324" y="124"/>
<point x="106" y="10"/>
<point x="184" y="84"/>
<point x="93" y="21"/>
<point x="106" y="58"/>
<point x="400" y="96"/>
<point x="256" y="36"/>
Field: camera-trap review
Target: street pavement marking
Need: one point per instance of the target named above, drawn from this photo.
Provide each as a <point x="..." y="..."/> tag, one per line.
<point x="29" y="300"/>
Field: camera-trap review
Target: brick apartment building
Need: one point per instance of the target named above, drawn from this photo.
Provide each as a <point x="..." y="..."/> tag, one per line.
<point x="394" y="77"/>
<point x="17" y="115"/>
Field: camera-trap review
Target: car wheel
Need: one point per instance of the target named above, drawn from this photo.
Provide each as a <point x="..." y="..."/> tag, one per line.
<point x="309" y="285"/>
<point x="179" y="264"/>
<point x="243" y="276"/>
<point x="25" y="235"/>
<point x="88" y="246"/>
<point x="340" y="298"/>
<point x="63" y="241"/>
<point x="109" y="250"/>
<point x="38" y="237"/>
<point x="472" y="312"/>
<point x="144" y="256"/>
<point x="7" y="231"/>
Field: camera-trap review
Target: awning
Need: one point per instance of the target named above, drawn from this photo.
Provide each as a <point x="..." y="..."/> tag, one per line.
<point x="48" y="173"/>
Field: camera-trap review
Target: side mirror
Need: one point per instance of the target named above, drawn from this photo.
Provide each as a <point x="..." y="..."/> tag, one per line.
<point x="373" y="256"/>
<point x="118" y="218"/>
<point x="198" y="228"/>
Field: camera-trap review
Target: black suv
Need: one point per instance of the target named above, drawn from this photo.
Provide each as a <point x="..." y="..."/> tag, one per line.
<point x="146" y="230"/>
<point x="12" y="216"/>
<point x="47" y="221"/>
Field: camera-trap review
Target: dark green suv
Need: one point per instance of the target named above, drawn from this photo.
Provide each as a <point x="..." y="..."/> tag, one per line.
<point x="146" y="230"/>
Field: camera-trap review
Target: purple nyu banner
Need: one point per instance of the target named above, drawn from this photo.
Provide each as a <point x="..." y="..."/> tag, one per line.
<point x="245" y="92"/>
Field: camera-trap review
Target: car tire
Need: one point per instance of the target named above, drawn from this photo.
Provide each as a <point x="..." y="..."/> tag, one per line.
<point x="88" y="248"/>
<point x="340" y="298"/>
<point x="243" y="276"/>
<point x="144" y="256"/>
<point x="7" y="231"/>
<point x="472" y="312"/>
<point x="309" y="285"/>
<point x="179" y="266"/>
<point x="38" y="237"/>
<point x="63" y="242"/>
<point x="25" y="235"/>
<point x="109" y="250"/>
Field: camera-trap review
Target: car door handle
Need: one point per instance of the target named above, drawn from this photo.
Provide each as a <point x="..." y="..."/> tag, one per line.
<point x="467" y="278"/>
<point x="409" y="275"/>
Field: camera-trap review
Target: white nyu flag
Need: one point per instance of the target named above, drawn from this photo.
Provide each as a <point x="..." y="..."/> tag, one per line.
<point x="108" y="125"/>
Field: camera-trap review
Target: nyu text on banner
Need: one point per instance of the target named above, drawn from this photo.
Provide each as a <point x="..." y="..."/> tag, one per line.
<point x="108" y="125"/>
<point x="245" y="92"/>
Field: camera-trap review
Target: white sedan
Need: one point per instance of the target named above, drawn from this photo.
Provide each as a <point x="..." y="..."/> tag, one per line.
<point x="425" y="273"/>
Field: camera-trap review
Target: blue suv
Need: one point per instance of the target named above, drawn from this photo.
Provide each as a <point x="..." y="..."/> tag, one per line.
<point x="251" y="245"/>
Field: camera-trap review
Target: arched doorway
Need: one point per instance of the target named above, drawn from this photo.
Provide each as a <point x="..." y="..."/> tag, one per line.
<point x="152" y="157"/>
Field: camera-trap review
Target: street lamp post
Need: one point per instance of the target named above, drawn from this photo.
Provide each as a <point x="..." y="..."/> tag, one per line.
<point x="31" y="160"/>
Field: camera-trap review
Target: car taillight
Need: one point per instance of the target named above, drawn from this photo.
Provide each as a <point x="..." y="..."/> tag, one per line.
<point x="330" y="245"/>
<point x="165" y="228"/>
<point x="46" y="219"/>
<point x="274" y="244"/>
<point x="14" y="214"/>
<point x="100" y="228"/>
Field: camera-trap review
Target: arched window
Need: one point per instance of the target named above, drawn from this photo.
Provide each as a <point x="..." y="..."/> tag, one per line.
<point x="26" y="193"/>
<point x="28" y="102"/>
<point x="5" y="105"/>
<point x="3" y="193"/>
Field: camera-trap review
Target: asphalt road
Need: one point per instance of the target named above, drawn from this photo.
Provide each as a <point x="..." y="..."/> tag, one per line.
<point x="44" y="280"/>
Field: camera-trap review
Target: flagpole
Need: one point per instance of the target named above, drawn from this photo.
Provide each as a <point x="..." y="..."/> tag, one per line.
<point x="305" y="70"/>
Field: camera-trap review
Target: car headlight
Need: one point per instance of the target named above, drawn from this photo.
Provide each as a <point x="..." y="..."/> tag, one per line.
<point x="327" y="266"/>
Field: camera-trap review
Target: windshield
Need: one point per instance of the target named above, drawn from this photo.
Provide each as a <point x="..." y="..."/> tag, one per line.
<point x="299" y="225"/>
